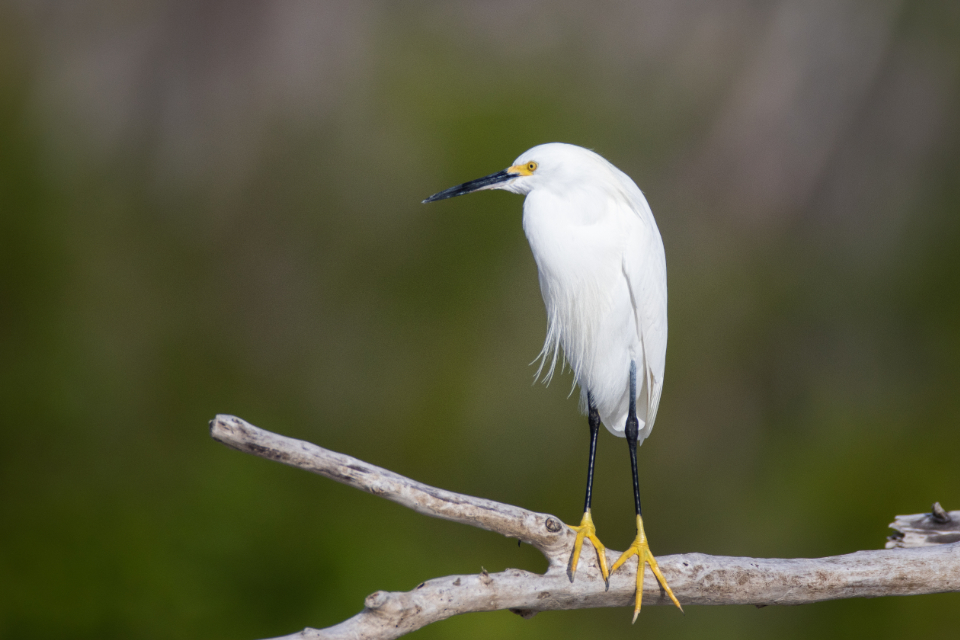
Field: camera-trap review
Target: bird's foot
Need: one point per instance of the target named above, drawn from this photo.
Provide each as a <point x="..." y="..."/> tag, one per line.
<point x="588" y="531"/>
<point x="641" y="549"/>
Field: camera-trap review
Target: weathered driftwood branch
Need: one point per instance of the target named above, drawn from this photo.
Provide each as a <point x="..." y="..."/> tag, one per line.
<point x="695" y="578"/>
<point x="925" y="529"/>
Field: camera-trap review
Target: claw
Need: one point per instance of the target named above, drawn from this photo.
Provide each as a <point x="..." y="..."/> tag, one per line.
<point x="587" y="530"/>
<point x="641" y="549"/>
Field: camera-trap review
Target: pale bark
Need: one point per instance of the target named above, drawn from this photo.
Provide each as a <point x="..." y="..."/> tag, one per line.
<point x="694" y="577"/>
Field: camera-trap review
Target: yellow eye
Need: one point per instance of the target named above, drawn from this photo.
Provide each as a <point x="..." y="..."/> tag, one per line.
<point x="525" y="169"/>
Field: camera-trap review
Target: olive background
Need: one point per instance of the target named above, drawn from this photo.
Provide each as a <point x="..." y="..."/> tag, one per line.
<point x="214" y="207"/>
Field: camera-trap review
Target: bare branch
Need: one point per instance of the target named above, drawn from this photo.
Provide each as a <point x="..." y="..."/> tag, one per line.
<point x="695" y="578"/>
<point x="925" y="529"/>
<point x="539" y="530"/>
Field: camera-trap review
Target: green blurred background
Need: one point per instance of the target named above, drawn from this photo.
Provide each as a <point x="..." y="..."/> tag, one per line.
<point x="214" y="207"/>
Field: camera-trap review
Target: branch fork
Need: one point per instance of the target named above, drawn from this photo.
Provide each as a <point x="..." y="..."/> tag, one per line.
<point x="930" y="564"/>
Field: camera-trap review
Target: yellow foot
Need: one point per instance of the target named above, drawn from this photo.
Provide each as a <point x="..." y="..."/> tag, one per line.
<point x="588" y="531"/>
<point x="641" y="549"/>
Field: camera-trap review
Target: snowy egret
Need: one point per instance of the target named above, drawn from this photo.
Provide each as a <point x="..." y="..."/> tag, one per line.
<point x="603" y="277"/>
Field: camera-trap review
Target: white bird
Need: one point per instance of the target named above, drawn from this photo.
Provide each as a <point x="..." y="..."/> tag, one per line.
<point x="603" y="277"/>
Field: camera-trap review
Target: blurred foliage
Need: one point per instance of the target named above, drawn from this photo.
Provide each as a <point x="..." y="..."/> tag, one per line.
<point x="211" y="208"/>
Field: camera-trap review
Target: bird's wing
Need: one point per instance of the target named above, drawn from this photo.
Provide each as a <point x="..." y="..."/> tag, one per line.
<point x="645" y="268"/>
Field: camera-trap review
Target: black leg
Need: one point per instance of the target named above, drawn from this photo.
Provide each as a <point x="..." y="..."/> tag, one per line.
<point x="632" y="431"/>
<point x="593" y="418"/>
<point x="640" y="546"/>
<point x="586" y="529"/>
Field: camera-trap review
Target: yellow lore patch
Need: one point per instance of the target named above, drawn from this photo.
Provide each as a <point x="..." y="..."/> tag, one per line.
<point x="523" y="169"/>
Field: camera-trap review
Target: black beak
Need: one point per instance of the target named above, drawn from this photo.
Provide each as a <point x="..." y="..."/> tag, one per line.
<point x="474" y="185"/>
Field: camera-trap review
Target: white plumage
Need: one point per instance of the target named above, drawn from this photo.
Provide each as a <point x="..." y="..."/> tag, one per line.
<point x="603" y="277"/>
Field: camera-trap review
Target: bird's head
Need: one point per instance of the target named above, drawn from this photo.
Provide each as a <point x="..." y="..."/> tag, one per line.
<point x="554" y="164"/>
